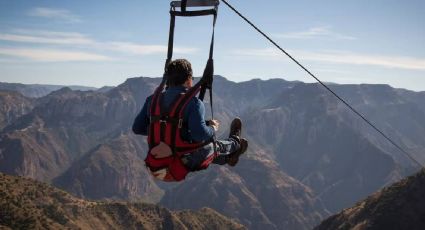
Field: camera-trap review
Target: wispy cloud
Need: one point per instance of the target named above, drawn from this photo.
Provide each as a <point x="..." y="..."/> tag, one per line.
<point x="133" y="48"/>
<point x="85" y="42"/>
<point x="400" y="62"/>
<point x="342" y="57"/>
<point x="46" y="37"/>
<point x="321" y="32"/>
<point x="53" y="13"/>
<point x="51" y="55"/>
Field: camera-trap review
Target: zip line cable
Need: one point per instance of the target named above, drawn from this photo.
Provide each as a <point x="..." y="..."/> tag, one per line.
<point x="324" y="85"/>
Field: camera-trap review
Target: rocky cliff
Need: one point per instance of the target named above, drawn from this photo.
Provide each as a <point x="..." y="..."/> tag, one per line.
<point x="12" y="106"/>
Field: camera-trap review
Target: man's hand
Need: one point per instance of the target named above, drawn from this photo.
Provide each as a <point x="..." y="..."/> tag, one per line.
<point x="215" y="124"/>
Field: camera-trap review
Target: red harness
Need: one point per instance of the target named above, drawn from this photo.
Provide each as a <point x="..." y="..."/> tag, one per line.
<point x="166" y="147"/>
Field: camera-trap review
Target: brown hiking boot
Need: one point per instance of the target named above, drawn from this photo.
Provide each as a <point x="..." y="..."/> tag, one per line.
<point x="236" y="127"/>
<point x="233" y="158"/>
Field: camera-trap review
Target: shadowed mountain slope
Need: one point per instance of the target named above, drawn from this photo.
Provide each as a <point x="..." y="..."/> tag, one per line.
<point x="399" y="206"/>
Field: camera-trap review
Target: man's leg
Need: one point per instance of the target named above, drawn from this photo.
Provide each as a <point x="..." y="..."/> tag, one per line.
<point x="224" y="149"/>
<point x="193" y="160"/>
<point x="236" y="132"/>
<point x="228" y="150"/>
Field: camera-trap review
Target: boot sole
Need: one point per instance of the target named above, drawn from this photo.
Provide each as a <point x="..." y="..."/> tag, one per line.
<point x="236" y="123"/>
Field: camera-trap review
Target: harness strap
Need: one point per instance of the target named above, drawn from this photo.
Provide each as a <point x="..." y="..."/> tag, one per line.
<point x="183" y="5"/>
<point x="154" y="110"/>
<point x="193" y="13"/>
<point x="163" y="124"/>
<point x="170" y="42"/>
<point x="207" y="77"/>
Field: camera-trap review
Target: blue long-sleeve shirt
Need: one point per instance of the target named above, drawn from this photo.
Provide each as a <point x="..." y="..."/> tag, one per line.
<point x="194" y="125"/>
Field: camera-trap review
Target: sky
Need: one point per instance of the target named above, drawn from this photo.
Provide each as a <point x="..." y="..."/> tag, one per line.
<point x="98" y="43"/>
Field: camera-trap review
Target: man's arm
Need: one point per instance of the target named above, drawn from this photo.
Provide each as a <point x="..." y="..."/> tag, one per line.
<point x="141" y="123"/>
<point x="196" y="121"/>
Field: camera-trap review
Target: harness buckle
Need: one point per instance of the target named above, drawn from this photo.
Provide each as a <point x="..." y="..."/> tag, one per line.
<point x="163" y="119"/>
<point x="180" y="123"/>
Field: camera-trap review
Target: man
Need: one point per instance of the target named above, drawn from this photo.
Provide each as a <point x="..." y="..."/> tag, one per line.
<point x="194" y="128"/>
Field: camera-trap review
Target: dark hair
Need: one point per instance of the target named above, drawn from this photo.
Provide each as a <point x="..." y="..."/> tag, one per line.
<point x="178" y="71"/>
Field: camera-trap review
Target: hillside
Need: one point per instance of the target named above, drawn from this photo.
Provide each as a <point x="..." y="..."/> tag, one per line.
<point x="27" y="204"/>
<point x="399" y="206"/>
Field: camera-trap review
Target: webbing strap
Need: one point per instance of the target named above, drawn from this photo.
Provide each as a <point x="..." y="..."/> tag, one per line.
<point x="173" y="14"/>
<point x="183" y="6"/>
<point x="152" y="109"/>
<point x="193" y="13"/>
<point x="162" y="124"/>
<point x="170" y="42"/>
<point x="207" y="77"/>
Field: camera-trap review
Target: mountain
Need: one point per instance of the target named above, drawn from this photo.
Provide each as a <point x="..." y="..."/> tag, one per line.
<point x="12" y="106"/>
<point x="399" y="113"/>
<point x="121" y="162"/>
<point x="399" y="206"/>
<point x="318" y="141"/>
<point x="27" y="204"/>
<point x="255" y="192"/>
<point x="62" y="127"/>
<point x="36" y="90"/>
<point x="72" y="138"/>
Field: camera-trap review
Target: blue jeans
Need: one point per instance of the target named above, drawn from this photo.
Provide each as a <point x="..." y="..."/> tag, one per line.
<point x="223" y="147"/>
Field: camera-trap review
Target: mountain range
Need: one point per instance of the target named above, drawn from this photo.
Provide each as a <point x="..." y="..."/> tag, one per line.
<point x="39" y="90"/>
<point x="309" y="156"/>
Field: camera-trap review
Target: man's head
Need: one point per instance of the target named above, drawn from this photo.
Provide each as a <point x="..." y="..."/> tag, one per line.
<point x="179" y="72"/>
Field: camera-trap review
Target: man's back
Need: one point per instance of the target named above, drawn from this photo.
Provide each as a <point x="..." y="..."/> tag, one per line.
<point x="194" y="125"/>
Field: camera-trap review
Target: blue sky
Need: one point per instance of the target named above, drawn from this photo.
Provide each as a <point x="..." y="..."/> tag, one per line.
<point x="97" y="43"/>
